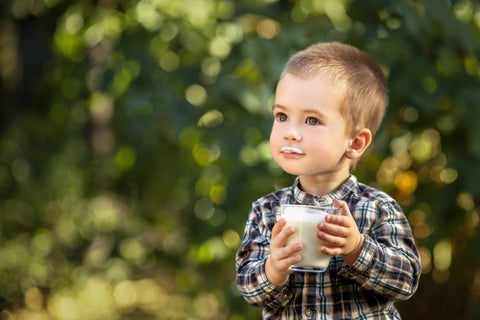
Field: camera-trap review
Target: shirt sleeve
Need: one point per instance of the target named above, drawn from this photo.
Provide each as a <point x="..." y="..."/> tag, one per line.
<point x="389" y="264"/>
<point x="252" y="281"/>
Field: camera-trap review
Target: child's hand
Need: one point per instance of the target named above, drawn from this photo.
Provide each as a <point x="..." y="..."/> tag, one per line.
<point x="341" y="235"/>
<point x="277" y="266"/>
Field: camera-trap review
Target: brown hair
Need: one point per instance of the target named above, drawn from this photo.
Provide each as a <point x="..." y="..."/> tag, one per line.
<point x="355" y="77"/>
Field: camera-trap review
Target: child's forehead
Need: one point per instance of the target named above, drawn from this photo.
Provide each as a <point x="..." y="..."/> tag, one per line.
<point x="297" y="81"/>
<point x="308" y="96"/>
<point x="328" y="78"/>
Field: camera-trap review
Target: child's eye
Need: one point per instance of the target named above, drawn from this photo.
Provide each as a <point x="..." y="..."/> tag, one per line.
<point x="282" y="117"/>
<point x="312" y="121"/>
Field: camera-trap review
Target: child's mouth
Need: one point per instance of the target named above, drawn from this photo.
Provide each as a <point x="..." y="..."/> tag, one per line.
<point x="291" y="151"/>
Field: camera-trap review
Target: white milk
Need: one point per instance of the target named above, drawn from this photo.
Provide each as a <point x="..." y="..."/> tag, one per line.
<point x="305" y="219"/>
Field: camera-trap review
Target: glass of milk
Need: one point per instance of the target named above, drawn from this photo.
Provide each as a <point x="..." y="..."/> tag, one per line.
<point x="305" y="219"/>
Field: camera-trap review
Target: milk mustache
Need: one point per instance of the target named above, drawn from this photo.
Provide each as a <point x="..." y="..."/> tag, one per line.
<point x="305" y="219"/>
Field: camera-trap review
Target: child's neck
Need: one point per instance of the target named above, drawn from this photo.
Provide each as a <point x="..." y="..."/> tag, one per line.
<point x="323" y="184"/>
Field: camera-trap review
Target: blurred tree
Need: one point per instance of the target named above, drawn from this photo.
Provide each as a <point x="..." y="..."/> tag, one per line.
<point x="134" y="136"/>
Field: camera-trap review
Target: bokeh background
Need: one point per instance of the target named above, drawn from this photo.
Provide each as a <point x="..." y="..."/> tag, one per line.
<point x="134" y="137"/>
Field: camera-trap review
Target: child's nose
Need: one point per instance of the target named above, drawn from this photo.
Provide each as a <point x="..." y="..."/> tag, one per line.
<point x="293" y="133"/>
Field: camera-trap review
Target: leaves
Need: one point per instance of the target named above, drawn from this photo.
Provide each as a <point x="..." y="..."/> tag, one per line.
<point x="134" y="136"/>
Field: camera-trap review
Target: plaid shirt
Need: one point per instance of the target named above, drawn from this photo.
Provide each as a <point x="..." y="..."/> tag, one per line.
<point x="387" y="270"/>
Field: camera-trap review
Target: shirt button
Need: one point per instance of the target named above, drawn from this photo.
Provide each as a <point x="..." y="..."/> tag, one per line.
<point x="284" y="296"/>
<point x="308" y="313"/>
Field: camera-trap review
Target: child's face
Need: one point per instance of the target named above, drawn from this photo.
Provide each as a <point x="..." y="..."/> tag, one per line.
<point x="308" y="136"/>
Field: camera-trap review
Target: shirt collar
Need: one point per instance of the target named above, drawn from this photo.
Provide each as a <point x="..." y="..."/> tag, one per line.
<point x="343" y="191"/>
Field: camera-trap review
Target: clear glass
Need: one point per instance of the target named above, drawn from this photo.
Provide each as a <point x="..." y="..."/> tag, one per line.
<point x="305" y="219"/>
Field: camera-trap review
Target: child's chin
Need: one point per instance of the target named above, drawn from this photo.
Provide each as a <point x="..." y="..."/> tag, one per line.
<point x="292" y="171"/>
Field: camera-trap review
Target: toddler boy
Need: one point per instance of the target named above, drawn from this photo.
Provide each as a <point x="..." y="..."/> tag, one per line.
<point x="329" y="102"/>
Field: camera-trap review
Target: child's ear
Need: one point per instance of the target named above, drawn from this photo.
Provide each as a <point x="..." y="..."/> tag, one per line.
<point x="360" y="141"/>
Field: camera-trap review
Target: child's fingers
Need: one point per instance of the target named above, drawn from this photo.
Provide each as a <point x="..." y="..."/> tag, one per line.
<point x="278" y="227"/>
<point x="280" y="233"/>
<point x="284" y="252"/>
<point x="331" y="251"/>
<point x="345" y="219"/>
<point x="282" y="267"/>
<point x="337" y="228"/>
<point x="343" y="205"/>
<point x="337" y="222"/>
<point x="288" y="260"/>
<point x="332" y="245"/>
<point x="291" y="249"/>
<point x="331" y="240"/>
<point x="281" y="255"/>
<point x="340" y="232"/>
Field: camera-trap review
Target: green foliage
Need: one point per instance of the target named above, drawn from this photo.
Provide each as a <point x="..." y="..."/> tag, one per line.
<point x="134" y="136"/>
